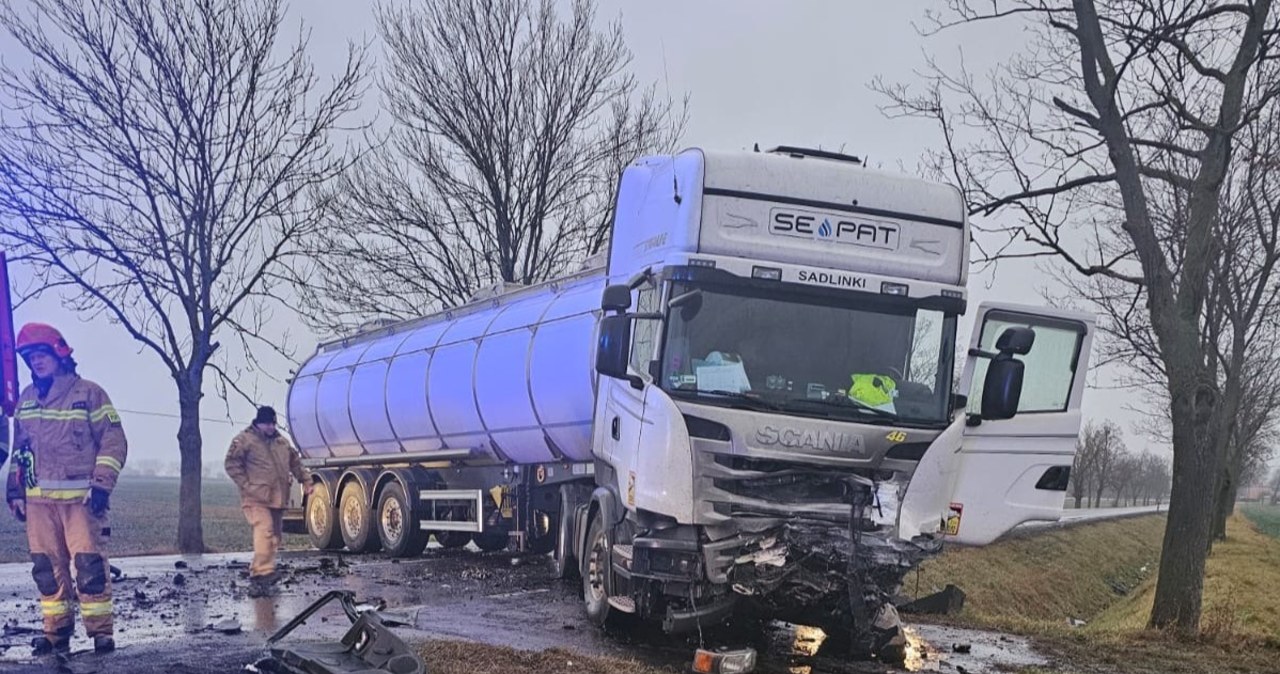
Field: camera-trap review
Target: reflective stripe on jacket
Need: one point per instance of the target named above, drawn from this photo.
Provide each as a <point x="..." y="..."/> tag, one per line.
<point x="65" y="442"/>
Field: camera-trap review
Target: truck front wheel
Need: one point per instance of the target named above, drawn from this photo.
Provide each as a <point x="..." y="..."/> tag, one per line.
<point x="595" y="570"/>
<point x="322" y="519"/>
<point x="356" y="519"/>
<point x="398" y="527"/>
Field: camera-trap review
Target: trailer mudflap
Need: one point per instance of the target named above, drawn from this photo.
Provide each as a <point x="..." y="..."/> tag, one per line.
<point x="369" y="647"/>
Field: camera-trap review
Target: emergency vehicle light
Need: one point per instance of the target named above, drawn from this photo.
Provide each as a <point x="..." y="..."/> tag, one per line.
<point x="889" y="288"/>
<point x="710" y="264"/>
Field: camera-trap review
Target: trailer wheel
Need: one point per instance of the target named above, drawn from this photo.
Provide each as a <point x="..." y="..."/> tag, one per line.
<point x="356" y="519"/>
<point x="452" y="540"/>
<point x="322" y="519"/>
<point x="398" y="527"/>
<point x="595" y="570"/>
<point x="493" y="540"/>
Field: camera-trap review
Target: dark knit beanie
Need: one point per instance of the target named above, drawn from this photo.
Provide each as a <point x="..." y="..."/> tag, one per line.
<point x="266" y="415"/>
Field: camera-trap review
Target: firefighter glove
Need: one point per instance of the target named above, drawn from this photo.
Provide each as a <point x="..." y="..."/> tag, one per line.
<point x="19" y="509"/>
<point x="99" y="501"/>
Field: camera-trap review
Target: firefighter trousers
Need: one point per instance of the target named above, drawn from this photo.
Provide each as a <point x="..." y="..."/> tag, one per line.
<point x="62" y="536"/>
<point x="268" y="530"/>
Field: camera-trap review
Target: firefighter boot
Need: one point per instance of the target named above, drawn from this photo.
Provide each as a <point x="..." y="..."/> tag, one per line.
<point x="52" y="644"/>
<point x="103" y="645"/>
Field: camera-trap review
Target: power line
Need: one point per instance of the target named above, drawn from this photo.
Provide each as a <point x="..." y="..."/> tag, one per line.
<point x="175" y="416"/>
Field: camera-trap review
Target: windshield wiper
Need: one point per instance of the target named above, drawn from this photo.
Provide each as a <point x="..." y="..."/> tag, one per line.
<point x="736" y="395"/>
<point x="846" y="403"/>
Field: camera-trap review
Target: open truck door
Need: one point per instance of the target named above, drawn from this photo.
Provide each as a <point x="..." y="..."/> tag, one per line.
<point x="986" y="475"/>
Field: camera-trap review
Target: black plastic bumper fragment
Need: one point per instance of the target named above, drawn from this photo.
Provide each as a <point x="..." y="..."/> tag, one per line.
<point x="369" y="646"/>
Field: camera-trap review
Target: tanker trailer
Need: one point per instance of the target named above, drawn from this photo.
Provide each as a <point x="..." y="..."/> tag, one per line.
<point x="748" y="408"/>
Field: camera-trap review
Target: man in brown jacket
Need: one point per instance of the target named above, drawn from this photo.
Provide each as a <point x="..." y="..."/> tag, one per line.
<point x="260" y="462"/>
<point x="69" y="449"/>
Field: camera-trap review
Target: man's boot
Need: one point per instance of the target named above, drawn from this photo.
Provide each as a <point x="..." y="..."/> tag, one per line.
<point x="104" y="644"/>
<point x="42" y="646"/>
<point x="261" y="586"/>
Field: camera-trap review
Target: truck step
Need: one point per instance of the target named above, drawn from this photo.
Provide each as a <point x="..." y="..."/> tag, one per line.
<point x="624" y="604"/>
<point x="622" y="553"/>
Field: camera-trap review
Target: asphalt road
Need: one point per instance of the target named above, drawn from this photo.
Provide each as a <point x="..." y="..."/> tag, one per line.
<point x="168" y="618"/>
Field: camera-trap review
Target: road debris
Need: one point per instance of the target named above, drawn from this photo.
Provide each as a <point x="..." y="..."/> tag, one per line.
<point x="227" y="626"/>
<point x="369" y="646"/>
<point x="963" y="649"/>
<point x="949" y="601"/>
<point x="180" y="564"/>
<point x="179" y="579"/>
<point x="12" y="628"/>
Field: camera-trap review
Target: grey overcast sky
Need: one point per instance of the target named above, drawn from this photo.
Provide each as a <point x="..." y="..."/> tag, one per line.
<point x="757" y="71"/>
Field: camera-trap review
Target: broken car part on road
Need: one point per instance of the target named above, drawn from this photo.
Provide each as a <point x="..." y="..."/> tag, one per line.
<point x="368" y="647"/>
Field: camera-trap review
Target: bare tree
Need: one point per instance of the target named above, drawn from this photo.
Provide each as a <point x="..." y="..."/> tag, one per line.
<point x="1274" y="485"/>
<point x="509" y="128"/>
<point x="1125" y="477"/>
<point x="1082" y="468"/>
<point x="1109" y="449"/>
<point x="1097" y="451"/>
<point x="1107" y="99"/>
<point x="1155" y="478"/>
<point x="154" y="166"/>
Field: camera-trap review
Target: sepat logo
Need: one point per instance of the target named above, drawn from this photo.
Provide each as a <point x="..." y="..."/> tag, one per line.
<point x="834" y="228"/>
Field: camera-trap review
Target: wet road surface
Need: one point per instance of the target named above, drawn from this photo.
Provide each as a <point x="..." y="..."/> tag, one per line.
<point x="168" y="618"/>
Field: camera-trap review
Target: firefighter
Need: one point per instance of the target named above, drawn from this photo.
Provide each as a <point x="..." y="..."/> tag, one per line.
<point x="260" y="462"/>
<point x="68" y="450"/>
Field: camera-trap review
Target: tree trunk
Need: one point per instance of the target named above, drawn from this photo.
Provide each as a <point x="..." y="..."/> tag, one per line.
<point x="1223" y="504"/>
<point x="1078" y="497"/>
<point x="1180" y="585"/>
<point x="190" y="446"/>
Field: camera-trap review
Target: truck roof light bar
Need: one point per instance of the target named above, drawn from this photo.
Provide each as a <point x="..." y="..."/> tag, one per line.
<point x="709" y="264"/>
<point x="802" y="152"/>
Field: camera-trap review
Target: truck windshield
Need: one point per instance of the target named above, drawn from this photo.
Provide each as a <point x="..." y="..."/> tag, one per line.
<point x="881" y="360"/>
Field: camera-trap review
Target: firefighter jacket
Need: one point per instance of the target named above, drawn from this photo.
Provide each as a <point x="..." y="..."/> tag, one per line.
<point x="260" y="466"/>
<point x="64" y="443"/>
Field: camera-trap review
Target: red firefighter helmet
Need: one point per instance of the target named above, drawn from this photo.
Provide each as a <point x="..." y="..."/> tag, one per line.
<point x="35" y="335"/>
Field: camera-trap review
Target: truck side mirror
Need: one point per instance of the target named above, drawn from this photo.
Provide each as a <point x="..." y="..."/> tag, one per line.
<point x="1002" y="388"/>
<point x="616" y="298"/>
<point x="613" y="350"/>
<point x="1016" y="341"/>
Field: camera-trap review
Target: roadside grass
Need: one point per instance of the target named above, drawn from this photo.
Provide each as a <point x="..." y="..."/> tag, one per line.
<point x="1265" y="517"/>
<point x="1031" y="585"/>
<point x="463" y="657"/>
<point x="1240" y="600"/>
<point x="1042" y="580"/>
<point x="144" y="521"/>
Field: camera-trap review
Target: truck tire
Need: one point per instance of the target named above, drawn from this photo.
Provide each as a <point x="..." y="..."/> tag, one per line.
<point x="322" y="519"/>
<point x="493" y="540"/>
<point x="595" y="567"/>
<point x="564" y="561"/>
<point x="357" y="520"/>
<point x="398" y="527"/>
<point x="452" y="540"/>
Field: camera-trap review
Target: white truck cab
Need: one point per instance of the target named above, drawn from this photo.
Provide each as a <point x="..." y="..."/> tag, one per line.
<point x="748" y="407"/>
